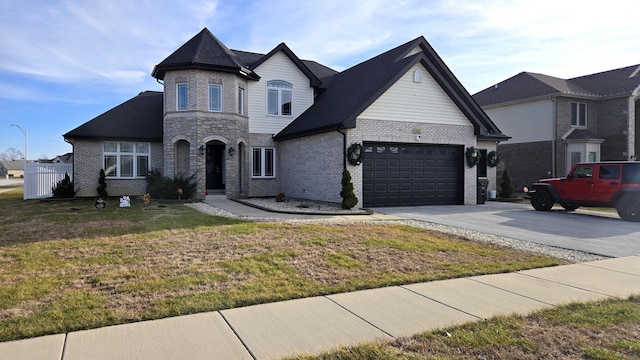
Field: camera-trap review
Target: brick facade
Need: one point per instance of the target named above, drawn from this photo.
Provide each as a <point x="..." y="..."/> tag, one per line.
<point x="525" y="169"/>
<point x="312" y="167"/>
<point x="199" y="127"/>
<point x="406" y="132"/>
<point x="86" y="170"/>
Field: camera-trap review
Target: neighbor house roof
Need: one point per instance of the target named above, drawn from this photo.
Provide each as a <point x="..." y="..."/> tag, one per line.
<point x="353" y="90"/>
<point x="527" y="85"/>
<point x="139" y="118"/>
<point x="13" y="165"/>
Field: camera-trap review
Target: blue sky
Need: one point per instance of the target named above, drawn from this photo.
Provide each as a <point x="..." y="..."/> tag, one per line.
<point x="63" y="63"/>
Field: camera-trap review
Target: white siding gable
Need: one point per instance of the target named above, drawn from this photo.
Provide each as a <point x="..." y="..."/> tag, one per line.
<point x="525" y="122"/>
<point x="278" y="67"/>
<point x="421" y="102"/>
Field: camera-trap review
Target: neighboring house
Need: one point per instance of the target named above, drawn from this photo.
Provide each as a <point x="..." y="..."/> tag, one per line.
<point x="555" y="123"/>
<point x="66" y="158"/>
<point x="12" y="168"/>
<point x="252" y="125"/>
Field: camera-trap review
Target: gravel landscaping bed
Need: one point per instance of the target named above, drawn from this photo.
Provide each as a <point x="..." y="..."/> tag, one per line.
<point x="330" y="209"/>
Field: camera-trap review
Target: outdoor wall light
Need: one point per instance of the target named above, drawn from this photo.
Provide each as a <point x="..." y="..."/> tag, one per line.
<point x="201" y="150"/>
<point x="231" y="151"/>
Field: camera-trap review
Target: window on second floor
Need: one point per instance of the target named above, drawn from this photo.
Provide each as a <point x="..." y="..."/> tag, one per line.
<point x="578" y="114"/>
<point x="182" y="98"/>
<point x="279" y="98"/>
<point x="240" y="101"/>
<point x="264" y="162"/>
<point x="215" y="97"/>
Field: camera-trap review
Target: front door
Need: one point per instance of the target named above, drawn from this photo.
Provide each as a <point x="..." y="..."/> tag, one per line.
<point x="215" y="167"/>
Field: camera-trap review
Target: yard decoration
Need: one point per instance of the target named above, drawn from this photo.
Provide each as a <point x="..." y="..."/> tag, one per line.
<point x="349" y="199"/>
<point x="125" y="201"/>
<point x="146" y="200"/>
<point x="493" y="159"/>
<point x="102" y="188"/>
<point x="100" y="204"/>
<point x="355" y="154"/>
<point x="473" y="156"/>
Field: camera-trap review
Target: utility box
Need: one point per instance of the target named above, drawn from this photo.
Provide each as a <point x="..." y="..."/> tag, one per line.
<point x="483" y="185"/>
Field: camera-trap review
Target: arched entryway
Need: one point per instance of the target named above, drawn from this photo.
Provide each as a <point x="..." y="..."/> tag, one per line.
<point x="215" y="166"/>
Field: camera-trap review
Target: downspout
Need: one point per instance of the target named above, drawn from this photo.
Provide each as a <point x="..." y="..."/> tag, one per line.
<point x="344" y="148"/>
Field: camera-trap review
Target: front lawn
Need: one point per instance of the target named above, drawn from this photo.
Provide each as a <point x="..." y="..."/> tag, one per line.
<point x="68" y="266"/>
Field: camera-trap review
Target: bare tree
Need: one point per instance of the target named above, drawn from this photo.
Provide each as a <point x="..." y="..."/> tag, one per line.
<point x="11" y="154"/>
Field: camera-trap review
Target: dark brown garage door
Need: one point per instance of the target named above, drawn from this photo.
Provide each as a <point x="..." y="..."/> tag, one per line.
<point x="409" y="174"/>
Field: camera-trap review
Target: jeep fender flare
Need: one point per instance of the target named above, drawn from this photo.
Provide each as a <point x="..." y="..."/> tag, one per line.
<point x="549" y="188"/>
<point x="625" y="192"/>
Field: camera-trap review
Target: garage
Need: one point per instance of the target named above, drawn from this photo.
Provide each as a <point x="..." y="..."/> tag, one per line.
<point x="396" y="174"/>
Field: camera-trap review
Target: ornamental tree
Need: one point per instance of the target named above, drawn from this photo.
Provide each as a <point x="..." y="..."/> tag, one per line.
<point x="349" y="199"/>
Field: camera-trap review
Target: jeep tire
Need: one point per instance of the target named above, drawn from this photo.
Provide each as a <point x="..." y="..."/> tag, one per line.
<point x="629" y="208"/>
<point x="542" y="200"/>
<point x="569" y="207"/>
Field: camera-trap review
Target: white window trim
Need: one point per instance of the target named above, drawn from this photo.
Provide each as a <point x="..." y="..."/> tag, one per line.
<point x="186" y="107"/>
<point x="263" y="163"/>
<point x="118" y="154"/>
<point x="220" y="94"/>
<point x="578" y="112"/>
<point x="279" y="98"/>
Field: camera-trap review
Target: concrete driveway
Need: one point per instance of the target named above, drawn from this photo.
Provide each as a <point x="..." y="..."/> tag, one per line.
<point x="589" y="231"/>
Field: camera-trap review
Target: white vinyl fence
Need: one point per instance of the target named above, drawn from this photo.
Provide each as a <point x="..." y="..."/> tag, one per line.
<point x="40" y="178"/>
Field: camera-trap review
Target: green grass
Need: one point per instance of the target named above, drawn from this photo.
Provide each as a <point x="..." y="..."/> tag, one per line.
<point x="65" y="265"/>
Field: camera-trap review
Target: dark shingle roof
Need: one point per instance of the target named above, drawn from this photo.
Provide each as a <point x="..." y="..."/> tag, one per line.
<point x="581" y="134"/>
<point x="354" y="89"/>
<point x="526" y="85"/>
<point x="139" y="118"/>
<point x="203" y="51"/>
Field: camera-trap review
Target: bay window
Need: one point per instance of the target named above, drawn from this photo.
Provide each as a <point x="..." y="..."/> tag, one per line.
<point x="182" y="97"/>
<point x="215" y="97"/>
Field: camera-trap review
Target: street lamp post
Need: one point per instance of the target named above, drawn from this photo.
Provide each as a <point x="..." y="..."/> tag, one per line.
<point x="26" y="142"/>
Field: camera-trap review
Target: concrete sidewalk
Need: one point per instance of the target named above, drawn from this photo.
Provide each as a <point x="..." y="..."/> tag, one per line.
<point x="310" y="325"/>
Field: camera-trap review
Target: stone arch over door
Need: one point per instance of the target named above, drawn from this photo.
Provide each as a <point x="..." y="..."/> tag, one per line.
<point x="215" y="163"/>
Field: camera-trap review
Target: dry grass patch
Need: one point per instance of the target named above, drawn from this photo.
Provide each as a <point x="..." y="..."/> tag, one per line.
<point x="597" y="330"/>
<point x="174" y="261"/>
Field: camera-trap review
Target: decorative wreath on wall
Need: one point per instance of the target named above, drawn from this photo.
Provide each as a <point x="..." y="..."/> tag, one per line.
<point x="473" y="156"/>
<point x="493" y="159"/>
<point x="355" y="154"/>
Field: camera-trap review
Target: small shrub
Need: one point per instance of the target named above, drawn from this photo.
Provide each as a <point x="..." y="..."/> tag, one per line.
<point x="164" y="187"/>
<point x="64" y="188"/>
<point x="349" y="199"/>
<point x="506" y="189"/>
<point x="281" y="197"/>
<point x="102" y="187"/>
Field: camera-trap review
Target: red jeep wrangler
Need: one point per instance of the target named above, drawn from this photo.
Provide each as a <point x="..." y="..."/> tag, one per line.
<point x="606" y="184"/>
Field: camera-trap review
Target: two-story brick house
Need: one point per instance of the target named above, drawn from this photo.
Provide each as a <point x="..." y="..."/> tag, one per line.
<point x="555" y="123"/>
<point x="250" y="124"/>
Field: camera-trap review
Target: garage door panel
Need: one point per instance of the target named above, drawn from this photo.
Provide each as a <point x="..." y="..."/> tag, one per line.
<point x="412" y="174"/>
